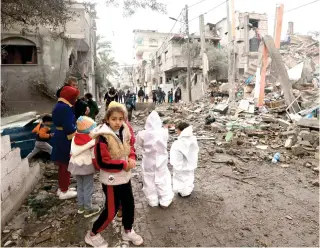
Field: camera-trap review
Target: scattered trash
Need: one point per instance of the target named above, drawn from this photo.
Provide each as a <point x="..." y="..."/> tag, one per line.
<point x="276" y="158"/>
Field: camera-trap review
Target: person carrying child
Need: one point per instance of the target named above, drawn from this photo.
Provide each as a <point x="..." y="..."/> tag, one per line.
<point x="43" y="136"/>
<point x="184" y="159"/>
<point x="155" y="173"/>
<point x="81" y="165"/>
<point x="115" y="159"/>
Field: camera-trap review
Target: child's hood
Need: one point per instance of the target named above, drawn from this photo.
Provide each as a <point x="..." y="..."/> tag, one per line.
<point x="81" y="143"/>
<point x="187" y="132"/>
<point x="187" y="142"/>
<point x="153" y="121"/>
<point x="101" y="130"/>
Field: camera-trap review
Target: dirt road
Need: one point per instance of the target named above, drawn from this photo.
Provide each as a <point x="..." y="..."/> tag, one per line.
<point x="240" y="199"/>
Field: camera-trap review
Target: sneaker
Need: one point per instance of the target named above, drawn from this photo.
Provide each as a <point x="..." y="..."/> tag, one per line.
<point x="81" y="210"/>
<point x="95" y="241"/>
<point x="184" y="196"/>
<point x="67" y="195"/>
<point x="71" y="189"/>
<point x="90" y="212"/>
<point x="133" y="237"/>
<point x="118" y="218"/>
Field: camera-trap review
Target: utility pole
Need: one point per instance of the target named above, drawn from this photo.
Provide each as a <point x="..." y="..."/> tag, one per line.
<point x="188" y="48"/>
<point x="231" y="50"/>
<point x="203" y="51"/>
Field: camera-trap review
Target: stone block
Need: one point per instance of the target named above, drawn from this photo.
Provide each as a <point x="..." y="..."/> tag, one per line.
<point x="289" y="143"/>
<point x="4" y="169"/>
<point x="5" y="145"/>
<point x="11" y="160"/>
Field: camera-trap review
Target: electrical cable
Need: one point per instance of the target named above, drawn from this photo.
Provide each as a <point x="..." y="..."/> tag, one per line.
<point x="210" y="11"/>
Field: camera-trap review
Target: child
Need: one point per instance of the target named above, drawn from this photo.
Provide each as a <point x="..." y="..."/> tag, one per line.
<point x="132" y="142"/>
<point x="130" y="105"/>
<point x="115" y="159"/>
<point x="156" y="175"/>
<point x="81" y="165"/>
<point x="184" y="159"/>
<point x="93" y="106"/>
<point x="72" y="82"/>
<point x="43" y="136"/>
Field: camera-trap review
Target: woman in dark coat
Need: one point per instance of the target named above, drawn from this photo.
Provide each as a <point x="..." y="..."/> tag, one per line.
<point x="64" y="119"/>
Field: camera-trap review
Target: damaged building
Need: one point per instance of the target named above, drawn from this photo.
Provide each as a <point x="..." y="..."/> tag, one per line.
<point x="34" y="65"/>
<point x="250" y="28"/>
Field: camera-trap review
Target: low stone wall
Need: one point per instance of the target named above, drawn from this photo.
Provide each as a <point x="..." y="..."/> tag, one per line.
<point x="17" y="179"/>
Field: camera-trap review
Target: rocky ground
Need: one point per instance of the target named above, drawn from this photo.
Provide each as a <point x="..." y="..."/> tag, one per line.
<point x="240" y="197"/>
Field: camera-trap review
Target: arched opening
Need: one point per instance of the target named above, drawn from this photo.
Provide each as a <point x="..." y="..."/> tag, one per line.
<point x="18" y="51"/>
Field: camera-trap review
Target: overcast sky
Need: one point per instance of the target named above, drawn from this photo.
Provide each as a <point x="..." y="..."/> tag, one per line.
<point x="118" y="29"/>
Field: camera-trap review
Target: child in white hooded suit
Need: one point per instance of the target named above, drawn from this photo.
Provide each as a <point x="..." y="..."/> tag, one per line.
<point x="156" y="175"/>
<point x="184" y="159"/>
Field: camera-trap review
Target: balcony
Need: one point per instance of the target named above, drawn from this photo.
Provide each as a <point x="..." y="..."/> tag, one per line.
<point x="176" y="63"/>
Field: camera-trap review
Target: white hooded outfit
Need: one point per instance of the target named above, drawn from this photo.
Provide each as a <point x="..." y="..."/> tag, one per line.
<point x="184" y="159"/>
<point x="156" y="175"/>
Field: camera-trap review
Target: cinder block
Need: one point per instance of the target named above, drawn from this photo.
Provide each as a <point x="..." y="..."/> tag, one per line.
<point x="6" y="186"/>
<point x="11" y="160"/>
<point x="5" y="145"/>
<point x="4" y="169"/>
<point x="24" y="167"/>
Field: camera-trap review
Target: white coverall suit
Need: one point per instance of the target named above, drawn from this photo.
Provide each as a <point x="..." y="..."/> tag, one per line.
<point x="156" y="175"/>
<point x="184" y="159"/>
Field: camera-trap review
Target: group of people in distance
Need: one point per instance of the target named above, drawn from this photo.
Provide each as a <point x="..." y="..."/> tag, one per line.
<point x="83" y="147"/>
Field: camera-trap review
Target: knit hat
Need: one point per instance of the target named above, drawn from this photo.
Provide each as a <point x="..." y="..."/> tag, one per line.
<point x="85" y="124"/>
<point x="70" y="94"/>
<point x="115" y="104"/>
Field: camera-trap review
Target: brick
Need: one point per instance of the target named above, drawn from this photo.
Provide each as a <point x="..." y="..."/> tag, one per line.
<point x="5" y="145"/>
<point x="20" y="173"/>
<point x="11" y="160"/>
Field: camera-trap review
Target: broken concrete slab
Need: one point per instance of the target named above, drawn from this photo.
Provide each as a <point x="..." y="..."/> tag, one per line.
<point x="304" y="143"/>
<point x="289" y="143"/>
<point x="289" y="133"/>
<point x="221" y="108"/>
<point x="298" y="151"/>
<point x="311" y="123"/>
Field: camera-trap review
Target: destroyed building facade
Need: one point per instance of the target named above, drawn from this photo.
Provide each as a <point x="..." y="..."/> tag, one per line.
<point x="250" y="28"/>
<point x="34" y="65"/>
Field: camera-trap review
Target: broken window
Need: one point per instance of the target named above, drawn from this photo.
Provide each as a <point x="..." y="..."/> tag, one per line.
<point x="254" y="23"/>
<point x="166" y="56"/>
<point x="159" y="60"/>
<point x="18" y="55"/>
<point x="153" y="63"/>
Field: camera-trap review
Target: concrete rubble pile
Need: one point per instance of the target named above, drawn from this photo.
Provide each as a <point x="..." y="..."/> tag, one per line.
<point x="229" y="127"/>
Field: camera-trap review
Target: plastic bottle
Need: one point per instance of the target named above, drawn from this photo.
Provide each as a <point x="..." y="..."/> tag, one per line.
<point x="276" y="158"/>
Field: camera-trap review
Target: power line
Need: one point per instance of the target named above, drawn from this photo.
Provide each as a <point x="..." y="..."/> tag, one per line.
<point x="210" y="11"/>
<point x="300" y="6"/>
<point x="170" y="32"/>
<point x="196" y="3"/>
